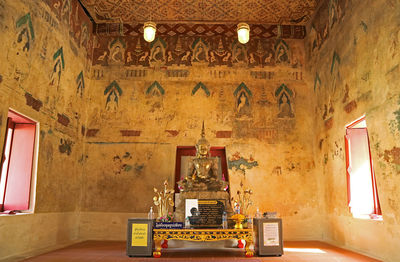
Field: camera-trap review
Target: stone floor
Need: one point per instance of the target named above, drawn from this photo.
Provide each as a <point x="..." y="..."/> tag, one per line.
<point x="107" y="251"/>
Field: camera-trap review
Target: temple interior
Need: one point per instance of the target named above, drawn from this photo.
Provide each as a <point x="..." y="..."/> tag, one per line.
<point x="306" y="115"/>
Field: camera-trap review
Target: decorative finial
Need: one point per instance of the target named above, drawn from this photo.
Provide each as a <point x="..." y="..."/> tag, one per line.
<point x="203" y="133"/>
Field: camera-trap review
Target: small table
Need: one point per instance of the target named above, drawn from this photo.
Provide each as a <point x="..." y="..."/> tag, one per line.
<point x="202" y="235"/>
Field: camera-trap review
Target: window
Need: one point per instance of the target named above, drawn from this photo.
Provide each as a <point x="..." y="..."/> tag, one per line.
<point x="17" y="164"/>
<point x="361" y="185"/>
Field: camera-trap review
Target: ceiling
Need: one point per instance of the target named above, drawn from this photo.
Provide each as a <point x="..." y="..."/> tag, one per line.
<point x="201" y="11"/>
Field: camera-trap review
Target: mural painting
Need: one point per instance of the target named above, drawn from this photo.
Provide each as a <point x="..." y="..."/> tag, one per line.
<point x="154" y="94"/>
<point x="242" y="103"/>
<point x="78" y="23"/>
<point x="113" y="91"/>
<point x="201" y="86"/>
<point x="19" y="69"/>
<point x="321" y="27"/>
<point x="188" y="51"/>
<point x="65" y="146"/>
<point x="282" y="52"/>
<point x="80" y="81"/>
<point x="237" y="162"/>
<point x="284" y="97"/>
<point x="200" y="51"/>
<point x="124" y="164"/>
<point x="58" y="67"/>
<point x="116" y="49"/>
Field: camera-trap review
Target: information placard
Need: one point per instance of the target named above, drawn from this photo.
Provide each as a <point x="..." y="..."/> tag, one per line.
<point x="139" y="235"/>
<point x="139" y="241"/>
<point x="271" y="234"/>
<point x="204" y="213"/>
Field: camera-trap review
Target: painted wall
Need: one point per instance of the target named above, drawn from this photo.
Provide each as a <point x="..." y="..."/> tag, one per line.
<point x="42" y="72"/>
<point x="352" y="52"/>
<point x="147" y="99"/>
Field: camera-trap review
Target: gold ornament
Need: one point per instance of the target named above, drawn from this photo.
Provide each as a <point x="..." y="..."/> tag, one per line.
<point x="163" y="200"/>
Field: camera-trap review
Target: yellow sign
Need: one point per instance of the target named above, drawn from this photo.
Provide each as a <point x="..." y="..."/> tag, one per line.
<point x="139" y="235"/>
<point x="207" y="202"/>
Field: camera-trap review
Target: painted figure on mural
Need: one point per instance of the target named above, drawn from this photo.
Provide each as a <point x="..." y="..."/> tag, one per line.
<point x="56" y="74"/>
<point x="333" y="15"/>
<point x="84" y="35"/>
<point x="282" y="54"/>
<point x="66" y="11"/>
<point x="117" y="51"/>
<point x="285" y="107"/>
<point x="200" y="54"/>
<point x="239" y="54"/>
<point x="157" y="54"/>
<point x="186" y="58"/>
<point x="19" y="68"/>
<point x="112" y="102"/>
<point x="117" y="55"/>
<point x="103" y="59"/>
<point x="144" y="59"/>
<point x="242" y="102"/>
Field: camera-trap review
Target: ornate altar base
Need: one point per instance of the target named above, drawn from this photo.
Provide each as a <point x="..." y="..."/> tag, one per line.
<point x="202" y="235"/>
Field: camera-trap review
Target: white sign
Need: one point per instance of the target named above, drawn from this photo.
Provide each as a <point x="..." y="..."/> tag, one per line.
<point x="271" y="234"/>
<point x="189" y="204"/>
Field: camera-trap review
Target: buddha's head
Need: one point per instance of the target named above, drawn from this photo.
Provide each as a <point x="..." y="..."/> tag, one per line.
<point x="202" y="146"/>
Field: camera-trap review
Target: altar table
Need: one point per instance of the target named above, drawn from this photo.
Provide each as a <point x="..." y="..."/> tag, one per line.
<point x="202" y="235"/>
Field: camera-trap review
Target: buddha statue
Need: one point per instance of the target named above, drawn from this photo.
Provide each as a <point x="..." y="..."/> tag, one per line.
<point x="203" y="170"/>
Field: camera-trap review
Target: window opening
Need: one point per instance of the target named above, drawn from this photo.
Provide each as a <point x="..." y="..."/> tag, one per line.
<point x="17" y="163"/>
<point x="362" y="191"/>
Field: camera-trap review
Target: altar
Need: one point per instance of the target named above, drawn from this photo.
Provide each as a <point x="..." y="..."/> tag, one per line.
<point x="202" y="205"/>
<point x="202" y="235"/>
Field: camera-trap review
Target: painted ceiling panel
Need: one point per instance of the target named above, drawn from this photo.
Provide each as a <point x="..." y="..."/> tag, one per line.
<point x="204" y="11"/>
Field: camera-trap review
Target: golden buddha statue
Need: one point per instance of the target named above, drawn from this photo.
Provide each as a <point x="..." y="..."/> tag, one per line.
<point x="203" y="171"/>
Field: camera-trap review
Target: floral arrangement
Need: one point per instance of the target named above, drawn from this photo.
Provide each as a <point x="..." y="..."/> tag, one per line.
<point x="242" y="201"/>
<point x="163" y="200"/>
<point x="167" y="218"/>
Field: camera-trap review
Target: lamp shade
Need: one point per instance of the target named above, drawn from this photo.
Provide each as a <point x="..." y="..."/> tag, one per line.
<point x="149" y="31"/>
<point x="243" y="31"/>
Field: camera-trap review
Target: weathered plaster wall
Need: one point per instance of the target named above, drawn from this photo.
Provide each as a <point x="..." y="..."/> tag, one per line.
<point x="42" y="74"/>
<point x="147" y="99"/>
<point x="352" y="52"/>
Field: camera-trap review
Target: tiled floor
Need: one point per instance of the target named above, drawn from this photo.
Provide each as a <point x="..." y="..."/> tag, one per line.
<point x="107" y="251"/>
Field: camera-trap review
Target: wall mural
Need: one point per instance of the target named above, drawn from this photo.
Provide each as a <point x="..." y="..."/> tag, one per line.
<point x="243" y="105"/>
<point x="200" y="85"/>
<point x="79" y="24"/>
<point x="58" y="67"/>
<point x="321" y="27"/>
<point x="189" y="50"/>
<point x="26" y="34"/>
<point x="113" y="91"/>
<point x="19" y="69"/>
<point x="80" y="81"/>
<point x="155" y="89"/>
<point x="65" y="146"/>
<point x="237" y="162"/>
<point x="284" y="97"/>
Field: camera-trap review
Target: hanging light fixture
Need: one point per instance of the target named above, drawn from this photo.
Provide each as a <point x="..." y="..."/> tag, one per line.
<point x="243" y="31"/>
<point x="149" y="31"/>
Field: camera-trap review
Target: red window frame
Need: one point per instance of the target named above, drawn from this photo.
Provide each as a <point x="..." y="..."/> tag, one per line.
<point x="20" y="156"/>
<point x="363" y="131"/>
